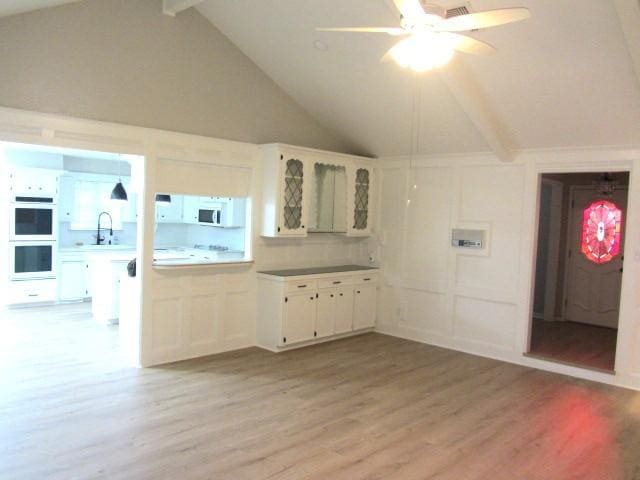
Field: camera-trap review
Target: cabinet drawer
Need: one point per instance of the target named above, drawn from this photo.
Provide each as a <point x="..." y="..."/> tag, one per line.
<point x="30" y="291"/>
<point x="370" y="278"/>
<point x="334" y="282"/>
<point x="301" y="285"/>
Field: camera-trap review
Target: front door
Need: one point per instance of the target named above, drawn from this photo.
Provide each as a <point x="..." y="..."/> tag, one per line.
<point x="594" y="274"/>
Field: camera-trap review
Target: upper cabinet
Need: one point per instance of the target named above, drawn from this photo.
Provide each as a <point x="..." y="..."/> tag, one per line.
<point x="307" y="191"/>
<point x="33" y="182"/>
<point x="285" y="191"/>
<point x="359" y="200"/>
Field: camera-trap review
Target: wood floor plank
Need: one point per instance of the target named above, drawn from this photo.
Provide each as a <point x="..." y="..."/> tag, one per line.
<point x="368" y="407"/>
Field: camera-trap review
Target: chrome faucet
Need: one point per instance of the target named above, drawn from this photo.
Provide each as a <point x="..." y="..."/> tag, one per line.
<point x="99" y="239"/>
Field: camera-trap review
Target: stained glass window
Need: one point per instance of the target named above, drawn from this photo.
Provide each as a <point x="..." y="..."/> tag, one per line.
<point x="601" y="231"/>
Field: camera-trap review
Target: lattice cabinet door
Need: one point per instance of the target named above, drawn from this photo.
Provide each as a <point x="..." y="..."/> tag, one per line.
<point x="359" y="221"/>
<point x="295" y="183"/>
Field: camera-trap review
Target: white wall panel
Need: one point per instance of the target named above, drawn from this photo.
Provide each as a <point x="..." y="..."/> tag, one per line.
<point x="426" y="311"/>
<point x="167" y="323"/>
<point x="237" y="316"/>
<point x="479" y="301"/>
<point x="491" y="193"/>
<point x="485" y="322"/>
<point x="393" y="198"/>
<point x="427" y="230"/>
<point x="205" y="319"/>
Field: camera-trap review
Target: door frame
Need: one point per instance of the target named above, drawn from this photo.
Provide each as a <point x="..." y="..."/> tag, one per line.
<point x="624" y="338"/>
<point x="569" y="263"/>
<point x="555" y="223"/>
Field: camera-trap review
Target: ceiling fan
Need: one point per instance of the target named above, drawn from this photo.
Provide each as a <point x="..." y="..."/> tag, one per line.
<point x="432" y="38"/>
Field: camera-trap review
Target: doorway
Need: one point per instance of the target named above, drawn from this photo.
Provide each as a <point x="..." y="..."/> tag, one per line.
<point x="579" y="265"/>
<point x="69" y="239"/>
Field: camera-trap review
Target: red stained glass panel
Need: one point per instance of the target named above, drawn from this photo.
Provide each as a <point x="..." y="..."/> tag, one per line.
<point x="601" y="231"/>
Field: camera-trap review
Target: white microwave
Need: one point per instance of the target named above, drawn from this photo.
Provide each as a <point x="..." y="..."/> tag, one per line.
<point x="209" y="216"/>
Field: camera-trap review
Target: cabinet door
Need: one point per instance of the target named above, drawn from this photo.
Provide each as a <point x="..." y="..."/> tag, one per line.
<point x="344" y="310"/>
<point x="65" y="200"/>
<point x="73" y="283"/>
<point x="190" y="205"/>
<point x="364" y="309"/>
<point x="130" y="209"/>
<point x="359" y="196"/>
<point x="326" y="313"/>
<point x="34" y="183"/>
<point x="171" y="213"/>
<point x="293" y="210"/>
<point x="298" y="324"/>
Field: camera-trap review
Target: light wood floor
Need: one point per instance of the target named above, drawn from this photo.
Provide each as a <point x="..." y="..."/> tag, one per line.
<point x="575" y="343"/>
<point x="371" y="407"/>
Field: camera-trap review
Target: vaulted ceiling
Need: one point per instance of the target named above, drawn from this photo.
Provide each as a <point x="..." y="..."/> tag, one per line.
<point x="562" y="78"/>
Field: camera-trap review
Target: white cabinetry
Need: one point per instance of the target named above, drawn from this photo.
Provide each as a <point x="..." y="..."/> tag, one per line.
<point x="171" y="213"/>
<point x="295" y="310"/>
<point x="359" y="195"/>
<point x="73" y="282"/>
<point x="285" y="191"/>
<point x="106" y="270"/>
<point x="33" y="182"/>
<point x="364" y="306"/>
<point x="31" y="291"/>
<point x="299" y="319"/>
<point x="190" y="206"/>
<point x="288" y="179"/>
<point x="66" y="200"/>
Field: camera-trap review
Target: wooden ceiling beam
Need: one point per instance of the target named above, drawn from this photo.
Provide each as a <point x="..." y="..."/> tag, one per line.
<point x="173" y="7"/>
<point x="473" y="102"/>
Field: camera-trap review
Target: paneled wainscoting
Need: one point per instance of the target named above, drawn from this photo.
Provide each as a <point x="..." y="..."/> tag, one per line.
<point x="373" y="406"/>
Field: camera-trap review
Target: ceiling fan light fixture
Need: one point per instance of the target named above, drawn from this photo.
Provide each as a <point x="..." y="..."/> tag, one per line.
<point x="424" y="51"/>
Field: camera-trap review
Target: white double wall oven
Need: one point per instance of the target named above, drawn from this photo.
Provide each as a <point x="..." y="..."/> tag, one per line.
<point x="33" y="233"/>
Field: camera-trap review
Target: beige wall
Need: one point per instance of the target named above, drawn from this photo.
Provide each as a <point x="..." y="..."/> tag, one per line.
<point x="124" y="61"/>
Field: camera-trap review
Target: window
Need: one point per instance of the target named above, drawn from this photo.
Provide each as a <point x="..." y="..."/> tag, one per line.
<point x="601" y="231"/>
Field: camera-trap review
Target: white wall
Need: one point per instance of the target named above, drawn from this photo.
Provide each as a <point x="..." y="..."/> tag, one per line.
<point x="480" y="301"/>
<point x="124" y="61"/>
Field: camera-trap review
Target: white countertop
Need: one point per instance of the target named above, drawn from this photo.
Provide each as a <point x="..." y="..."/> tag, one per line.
<point x="162" y="257"/>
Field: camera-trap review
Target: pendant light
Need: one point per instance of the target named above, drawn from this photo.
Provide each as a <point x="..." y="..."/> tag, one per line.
<point x="119" y="194"/>
<point x="606" y="184"/>
<point x="163" y="199"/>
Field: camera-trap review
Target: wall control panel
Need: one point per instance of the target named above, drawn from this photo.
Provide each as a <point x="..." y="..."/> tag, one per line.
<point x="465" y="238"/>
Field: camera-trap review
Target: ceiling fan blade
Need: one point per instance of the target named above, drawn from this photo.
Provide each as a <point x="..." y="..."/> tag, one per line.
<point x="409" y="9"/>
<point x="490" y="18"/>
<point x="465" y="44"/>
<point x="389" y="31"/>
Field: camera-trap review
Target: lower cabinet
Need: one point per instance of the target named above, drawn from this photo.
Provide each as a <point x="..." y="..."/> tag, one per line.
<point x="364" y="306"/>
<point x="302" y="310"/>
<point x="73" y="280"/>
<point x="299" y="320"/>
<point x="344" y="311"/>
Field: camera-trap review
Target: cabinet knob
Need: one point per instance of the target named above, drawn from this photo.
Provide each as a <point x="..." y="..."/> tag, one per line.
<point x="332" y="295"/>
<point x="311" y="298"/>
